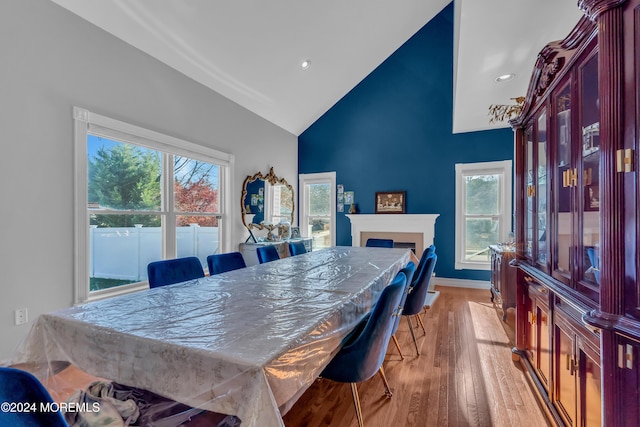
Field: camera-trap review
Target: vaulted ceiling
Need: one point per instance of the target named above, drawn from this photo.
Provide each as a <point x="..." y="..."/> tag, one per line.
<point x="250" y="51"/>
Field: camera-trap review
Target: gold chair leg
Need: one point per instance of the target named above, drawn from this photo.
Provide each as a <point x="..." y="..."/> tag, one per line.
<point x="387" y="389"/>
<point x="395" y="341"/>
<point x="356" y="402"/>
<point x="421" y="324"/>
<point x="413" y="335"/>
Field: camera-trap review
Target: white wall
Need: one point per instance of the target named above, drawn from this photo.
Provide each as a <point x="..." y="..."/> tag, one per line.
<point x="51" y="61"/>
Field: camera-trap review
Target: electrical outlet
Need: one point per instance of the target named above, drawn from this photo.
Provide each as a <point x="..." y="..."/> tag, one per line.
<point x="20" y="316"/>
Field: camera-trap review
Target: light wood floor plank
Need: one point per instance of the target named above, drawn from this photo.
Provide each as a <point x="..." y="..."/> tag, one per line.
<point x="463" y="377"/>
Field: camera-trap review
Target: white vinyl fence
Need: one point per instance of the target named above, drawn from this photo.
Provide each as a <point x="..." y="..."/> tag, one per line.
<point x="124" y="252"/>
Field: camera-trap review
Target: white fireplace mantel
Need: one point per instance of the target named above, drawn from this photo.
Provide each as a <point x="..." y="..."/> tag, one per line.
<point x="393" y="223"/>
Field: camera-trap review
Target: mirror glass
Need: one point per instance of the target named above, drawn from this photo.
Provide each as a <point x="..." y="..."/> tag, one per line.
<point x="266" y="201"/>
<point x="253" y="202"/>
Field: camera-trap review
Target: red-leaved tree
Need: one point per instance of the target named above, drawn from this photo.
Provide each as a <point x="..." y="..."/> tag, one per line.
<point x="193" y="197"/>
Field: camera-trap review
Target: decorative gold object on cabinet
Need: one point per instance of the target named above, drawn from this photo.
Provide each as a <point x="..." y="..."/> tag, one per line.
<point x="502" y="112"/>
<point x="624" y="160"/>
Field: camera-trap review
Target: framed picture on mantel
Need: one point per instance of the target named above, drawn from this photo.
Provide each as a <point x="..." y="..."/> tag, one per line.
<point x="392" y="202"/>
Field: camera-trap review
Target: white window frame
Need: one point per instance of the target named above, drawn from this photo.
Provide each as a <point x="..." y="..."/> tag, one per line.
<point x="316" y="178"/>
<point x="87" y="122"/>
<point x="269" y="201"/>
<point x="502" y="168"/>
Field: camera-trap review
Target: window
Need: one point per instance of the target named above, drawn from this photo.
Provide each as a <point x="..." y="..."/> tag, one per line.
<point x="483" y="211"/>
<point x="318" y="207"/>
<point x="278" y="203"/>
<point x="142" y="196"/>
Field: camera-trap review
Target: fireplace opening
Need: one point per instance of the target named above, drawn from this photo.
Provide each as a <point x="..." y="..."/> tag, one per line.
<point x="405" y="245"/>
<point x="413" y="241"/>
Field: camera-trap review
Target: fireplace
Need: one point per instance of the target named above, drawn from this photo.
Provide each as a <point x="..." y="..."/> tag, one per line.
<point x="410" y="229"/>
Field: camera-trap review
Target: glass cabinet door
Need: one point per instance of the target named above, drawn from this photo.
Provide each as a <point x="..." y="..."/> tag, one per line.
<point x="589" y="279"/>
<point x="535" y="218"/>
<point x="529" y="192"/>
<point x="565" y="180"/>
<point x="541" y="192"/>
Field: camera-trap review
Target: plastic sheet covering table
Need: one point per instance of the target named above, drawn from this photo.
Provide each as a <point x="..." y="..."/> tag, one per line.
<point x="247" y="342"/>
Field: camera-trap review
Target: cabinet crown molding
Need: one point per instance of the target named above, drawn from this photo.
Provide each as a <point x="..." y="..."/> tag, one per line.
<point x="551" y="62"/>
<point x="594" y="8"/>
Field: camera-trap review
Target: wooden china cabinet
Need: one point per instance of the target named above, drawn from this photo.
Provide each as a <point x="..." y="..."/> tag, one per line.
<point x="577" y="220"/>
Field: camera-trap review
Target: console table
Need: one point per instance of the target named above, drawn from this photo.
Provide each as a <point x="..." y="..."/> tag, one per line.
<point x="503" y="277"/>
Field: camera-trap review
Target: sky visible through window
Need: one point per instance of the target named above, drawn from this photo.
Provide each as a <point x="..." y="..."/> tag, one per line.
<point x="95" y="143"/>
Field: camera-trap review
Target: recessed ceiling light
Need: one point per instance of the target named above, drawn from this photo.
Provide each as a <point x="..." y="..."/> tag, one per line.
<point x="505" y="77"/>
<point x="305" y="64"/>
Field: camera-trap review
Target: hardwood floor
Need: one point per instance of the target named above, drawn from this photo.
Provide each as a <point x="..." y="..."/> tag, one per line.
<point x="464" y="377"/>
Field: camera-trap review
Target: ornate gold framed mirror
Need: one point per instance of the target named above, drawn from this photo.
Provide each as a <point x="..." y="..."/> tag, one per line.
<point x="266" y="201"/>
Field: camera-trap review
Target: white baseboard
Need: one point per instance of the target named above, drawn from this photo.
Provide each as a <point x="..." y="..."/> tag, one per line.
<point x="461" y="283"/>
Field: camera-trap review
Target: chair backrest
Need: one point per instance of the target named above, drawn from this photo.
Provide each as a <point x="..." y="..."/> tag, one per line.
<point x="364" y="348"/>
<point x="297" y="248"/>
<point x="267" y="253"/>
<point x="379" y="243"/>
<point x="418" y="291"/>
<point x="170" y="271"/>
<point x="408" y="271"/>
<point x="219" y="263"/>
<point x="22" y="387"/>
<point x="419" y="274"/>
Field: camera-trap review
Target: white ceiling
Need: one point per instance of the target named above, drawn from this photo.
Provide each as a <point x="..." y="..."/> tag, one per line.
<point x="250" y="50"/>
<point x="496" y="37"/>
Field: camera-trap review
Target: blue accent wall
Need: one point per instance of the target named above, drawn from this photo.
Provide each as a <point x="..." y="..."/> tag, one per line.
<point x="393" y="131"/>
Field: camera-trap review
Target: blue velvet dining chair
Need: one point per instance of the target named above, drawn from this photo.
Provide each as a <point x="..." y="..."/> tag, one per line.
<point x="363" y="350"/>
<point x="423" y="261"/>
<point x="379" y="243"/>
<point x="21" y="387"/>
<point x="297" y="248"/>
<point x="432" y="294"/>
<point x="170" y="271"/>
<point x="220" y="263"/>
<point x="417" y="295"/>
<point x="408" y="271"/>
<point x="267" y="253"/>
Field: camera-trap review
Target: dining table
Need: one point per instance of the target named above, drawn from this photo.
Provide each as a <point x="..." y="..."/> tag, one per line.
<point x="248" y="342"/>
